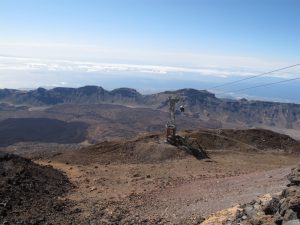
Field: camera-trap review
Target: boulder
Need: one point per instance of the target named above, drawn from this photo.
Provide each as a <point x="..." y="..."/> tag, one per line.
<point x="294" y="177"/>
<point x="272" y="206"/>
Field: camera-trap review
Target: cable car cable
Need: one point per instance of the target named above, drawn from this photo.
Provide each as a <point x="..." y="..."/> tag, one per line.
<point x="262" y="85"/>
<point x="255" y="76"/>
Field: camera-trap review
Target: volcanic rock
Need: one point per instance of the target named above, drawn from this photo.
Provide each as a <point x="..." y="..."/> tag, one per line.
<point x="294" y="177"/>
<point x="279" y="210"/>
<point x="30" y="193"/>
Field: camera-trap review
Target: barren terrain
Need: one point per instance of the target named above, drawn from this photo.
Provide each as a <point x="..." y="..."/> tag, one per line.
<point x="176" y="190"/>
<point x="147" y="181"/>
<point x="99" y="115"/>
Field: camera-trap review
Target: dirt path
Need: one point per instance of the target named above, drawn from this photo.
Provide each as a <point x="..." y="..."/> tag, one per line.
<point x="202" y="197"/>
<point x="174" y="190"/>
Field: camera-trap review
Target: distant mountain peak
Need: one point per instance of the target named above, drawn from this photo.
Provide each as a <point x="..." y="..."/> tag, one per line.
<point x="41" y="90"/>
<point x="126" y="92"/>
<point x="191" y="93"/>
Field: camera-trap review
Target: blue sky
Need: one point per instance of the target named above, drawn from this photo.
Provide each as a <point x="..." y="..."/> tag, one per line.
<point x="211" y="40"/>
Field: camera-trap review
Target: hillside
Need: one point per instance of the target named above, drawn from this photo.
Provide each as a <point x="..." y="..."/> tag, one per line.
<point x="15" y="130"/>
<point x="270" y="209"/>
<point x="244" y="140"/>
<point x="200" y="105"/>
<point x="152" y="148"/>
<point x="144" y="180"/>
<point x="59" y="95"/>
<point x="32" y="194"/>
<point x="72" y="123"/>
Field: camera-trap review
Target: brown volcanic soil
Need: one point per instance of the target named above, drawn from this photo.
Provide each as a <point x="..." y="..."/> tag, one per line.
<point x="15" y="130"/>
<point x="32" y="194"/>
<point x="251" y="139"/>
<point x="92" y="122"/>
<point x="146" y="181"/>
<point x="145" y="149"/>
<point x="153" y="148"/>
<point x="178" y="191"/>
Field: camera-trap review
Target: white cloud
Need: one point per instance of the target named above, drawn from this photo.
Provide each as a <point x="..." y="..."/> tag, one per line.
<point x="105" y="52"/>
<point x="47" y="65"/>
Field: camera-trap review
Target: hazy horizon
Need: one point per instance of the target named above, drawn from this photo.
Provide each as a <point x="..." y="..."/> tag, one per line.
<point x="151" y="46"/>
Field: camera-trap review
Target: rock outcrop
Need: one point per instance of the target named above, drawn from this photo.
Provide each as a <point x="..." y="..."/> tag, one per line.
<point x="281" y="209"/>
<point x="276" y="209"/>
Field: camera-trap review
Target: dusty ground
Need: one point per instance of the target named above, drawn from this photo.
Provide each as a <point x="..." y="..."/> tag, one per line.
<point x="177" y="190"/>
<point x="147" y="181"/>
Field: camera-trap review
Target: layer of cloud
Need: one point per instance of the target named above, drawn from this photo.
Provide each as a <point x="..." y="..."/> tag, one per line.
<point x="155" y="71"/>
<point x="106" y="52"/>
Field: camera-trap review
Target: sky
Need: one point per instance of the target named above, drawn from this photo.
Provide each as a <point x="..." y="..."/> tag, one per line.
<point x="150" y="45"/>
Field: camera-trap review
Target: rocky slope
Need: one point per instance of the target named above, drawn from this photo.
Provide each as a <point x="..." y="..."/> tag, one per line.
<point x="32" y="194"/>
<point x="152" y="148"/>
<point x="199" y="104"/>
<point x="281" y="209"/>
<point x="14" y="130"/>
<point x="275" y="209"/>
<point x="59" y="95"/>
<point x="244" y="140"/>
<point x="142" y="180"/>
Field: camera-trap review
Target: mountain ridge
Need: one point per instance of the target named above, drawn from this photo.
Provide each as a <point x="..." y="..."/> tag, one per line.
<point x="199" y="104"/>
<point x="59" y="95"/>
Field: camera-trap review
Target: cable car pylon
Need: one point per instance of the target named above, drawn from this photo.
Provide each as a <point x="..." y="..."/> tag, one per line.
<point x="171" y="123"/>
